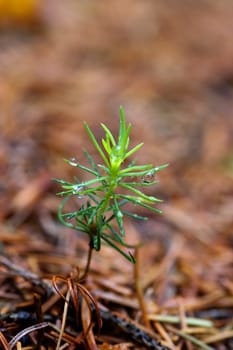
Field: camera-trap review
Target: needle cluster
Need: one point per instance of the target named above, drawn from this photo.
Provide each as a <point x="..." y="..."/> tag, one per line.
<point x="115" y="183"/>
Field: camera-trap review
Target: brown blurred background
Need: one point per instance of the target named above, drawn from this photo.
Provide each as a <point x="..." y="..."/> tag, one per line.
<point x="169" y="63"/>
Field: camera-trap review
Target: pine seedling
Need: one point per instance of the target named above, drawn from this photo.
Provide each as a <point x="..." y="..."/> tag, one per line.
<point x="115" y="183"/>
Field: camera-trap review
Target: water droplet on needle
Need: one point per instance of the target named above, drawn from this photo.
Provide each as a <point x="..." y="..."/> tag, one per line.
<point x="149" y="177"/>
<point x="73" y="161"/>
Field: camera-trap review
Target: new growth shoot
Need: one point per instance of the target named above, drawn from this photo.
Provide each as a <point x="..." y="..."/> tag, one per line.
<point x="114" y="184"/>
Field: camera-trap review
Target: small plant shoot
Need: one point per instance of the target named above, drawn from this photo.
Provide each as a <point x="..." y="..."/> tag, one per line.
<point x="115" y="183"/>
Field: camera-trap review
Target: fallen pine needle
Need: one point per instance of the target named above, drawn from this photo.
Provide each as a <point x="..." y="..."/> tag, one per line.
<point x="64" y="316"/>
<point x="219" y="336"/>
<point x="192" y="339"/>
<point x="190" y="321"/>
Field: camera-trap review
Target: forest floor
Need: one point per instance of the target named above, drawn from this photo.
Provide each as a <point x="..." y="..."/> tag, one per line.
<point x="170" y="65"/>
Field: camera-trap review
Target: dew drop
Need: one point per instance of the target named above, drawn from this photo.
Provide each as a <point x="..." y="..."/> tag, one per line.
<point x="76" y="189"/>
<point x="149" y="177"/>
<point x="73" y="161"/>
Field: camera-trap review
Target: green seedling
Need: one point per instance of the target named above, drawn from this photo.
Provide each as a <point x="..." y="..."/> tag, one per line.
<point x="115" y="183"/>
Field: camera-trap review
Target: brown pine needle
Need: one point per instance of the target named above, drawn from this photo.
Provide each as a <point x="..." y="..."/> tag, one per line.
<point x="139" y="290"/>
<point x="164" y="334"/>
<point x="64" y="316"/>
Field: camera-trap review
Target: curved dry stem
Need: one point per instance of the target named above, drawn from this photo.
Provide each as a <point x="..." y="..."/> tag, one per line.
<point x="75" y="289"/>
